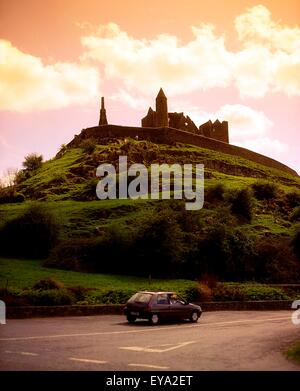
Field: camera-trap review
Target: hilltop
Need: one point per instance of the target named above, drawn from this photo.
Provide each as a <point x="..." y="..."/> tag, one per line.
<point x="67" y="183"/>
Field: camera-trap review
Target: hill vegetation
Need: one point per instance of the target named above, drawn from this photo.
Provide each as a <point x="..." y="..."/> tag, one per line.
<point x="247" y="230"/>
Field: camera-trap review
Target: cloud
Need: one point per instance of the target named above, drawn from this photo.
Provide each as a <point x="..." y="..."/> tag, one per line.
<point x="245" y="122"/>
<point x="250" y="128"/>
<point x="145" y="65"/>
<point x="270" y="58"/>
<point x="255" y="27"/>
<point x="28" y="84"/>
<point x="267" y="61"/>
<point x="134" y="102"/>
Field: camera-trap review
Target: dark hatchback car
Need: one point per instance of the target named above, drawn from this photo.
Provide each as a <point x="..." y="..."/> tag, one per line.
<point x="157" y="306"/>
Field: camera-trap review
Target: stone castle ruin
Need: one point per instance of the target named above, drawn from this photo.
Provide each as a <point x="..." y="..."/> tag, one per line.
<point x="160" y="126"/>
<point x="161" y="117"/>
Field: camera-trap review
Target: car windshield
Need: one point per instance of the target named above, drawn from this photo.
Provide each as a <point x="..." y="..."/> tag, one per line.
<point x="140" y="298"/>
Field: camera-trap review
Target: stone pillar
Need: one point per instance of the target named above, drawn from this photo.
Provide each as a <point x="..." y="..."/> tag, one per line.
<point x="161" y="110"/>
<point x="103" y="119"/>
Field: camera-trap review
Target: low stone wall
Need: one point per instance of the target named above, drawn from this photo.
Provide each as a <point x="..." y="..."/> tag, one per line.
<point x="63" y="310"/>
<point x="263" y="305"/>
<point x="170" y="136"/>
<point x="117" y="309"/>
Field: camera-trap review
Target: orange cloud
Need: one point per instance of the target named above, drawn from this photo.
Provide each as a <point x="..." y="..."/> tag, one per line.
<point x="255" y="27"/>
<point x="268" y="60"/>
<point x="250" y="128"/>
<point x="145" y="65"/>
<point x="27" y="84"/>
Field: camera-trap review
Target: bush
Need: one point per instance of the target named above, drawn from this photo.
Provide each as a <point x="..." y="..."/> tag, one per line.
<point x="295" y="216"/>
<point x="190" y="294"/>
<point x="226" y="254"/>
<point x="32" y="162"/>
<point x="88" y="145"/>
<point x="159" y="246"/>
<point x="205" y="292"/>
<point x="293" y="199"/>
<point x="103" y="254"/>
<point x="194" y="294"/>
<point x="47" y="283"/>
<point x="224" y="292"/>
<point x="255" y="292"/>
<point x="275" y="261"/>
<point x="12" y="298"/>
<point x="30" y="235"/>
<point x="215" y="193"/>
<point x="264" y="190"/>
<point x="79" y="292"/>
<point x="111" y="296"/>
<point x="8" y="197"/>
<point x="48" y="297"/>
<point x="66" y="255"/>
<point x="210" y="280"/>
<point x="88" y="193"/>
<point x="250" y="292"/>
<point x="241" y="205"/>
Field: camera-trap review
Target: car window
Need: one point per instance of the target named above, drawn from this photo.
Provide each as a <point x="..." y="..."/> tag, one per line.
<point x="140" y="298"/>
<point x="175" y="299"/>
<point x="162" y="299"/>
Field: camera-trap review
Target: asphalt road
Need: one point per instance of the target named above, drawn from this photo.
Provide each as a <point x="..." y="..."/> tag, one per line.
<point x="225" y="340"/>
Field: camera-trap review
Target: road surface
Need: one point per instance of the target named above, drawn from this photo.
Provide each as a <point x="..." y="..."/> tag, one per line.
<point x="224" y="340"/>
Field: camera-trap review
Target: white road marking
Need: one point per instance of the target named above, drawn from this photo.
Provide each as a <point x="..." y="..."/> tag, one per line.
<point x="148" y="366"/>
<point x="154" y="349"/>
<point x="87" y="360"/>
<point x="22" y="353"/>
<point x="152" y="329"/>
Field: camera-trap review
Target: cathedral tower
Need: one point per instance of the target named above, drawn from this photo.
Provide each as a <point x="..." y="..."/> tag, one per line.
<point x="161" y="110"/>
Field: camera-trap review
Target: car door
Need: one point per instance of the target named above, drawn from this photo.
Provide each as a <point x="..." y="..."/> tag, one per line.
<point x="161" y="305"/>
<point x="177" y="308"/>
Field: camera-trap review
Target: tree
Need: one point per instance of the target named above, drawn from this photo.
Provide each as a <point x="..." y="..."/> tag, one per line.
<point x="296" y="244"/>
<point x="31" y="234"/>
<point x="9" y="182"/>
<point x="241" y="205"/>
<point x="159" y="247"/>
<point x="32" y="162"/>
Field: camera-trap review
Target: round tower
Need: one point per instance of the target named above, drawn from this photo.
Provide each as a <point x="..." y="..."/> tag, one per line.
<point x="161" y="110"/>
<point x="102" y="119"/>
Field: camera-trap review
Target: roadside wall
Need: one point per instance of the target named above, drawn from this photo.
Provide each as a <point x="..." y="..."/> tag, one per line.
<point x="117" y="309"/>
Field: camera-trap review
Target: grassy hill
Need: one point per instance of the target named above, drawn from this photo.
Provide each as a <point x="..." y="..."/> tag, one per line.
<point x="65" y="187"/>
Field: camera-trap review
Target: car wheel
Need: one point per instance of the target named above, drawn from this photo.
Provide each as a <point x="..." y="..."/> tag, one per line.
<point x="154" y="319"/>
<point x="131" y="319"/>
<point x="194" y="317"/>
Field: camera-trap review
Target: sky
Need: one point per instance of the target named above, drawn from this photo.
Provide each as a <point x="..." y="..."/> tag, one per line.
<point x="236" y="60"/>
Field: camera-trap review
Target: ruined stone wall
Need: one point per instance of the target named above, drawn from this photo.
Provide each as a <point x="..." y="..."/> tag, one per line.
<point x="149" y="121"/>
<point x="217" y="130"/>
<point x="170" y="136"/>
<point x="180" y="121"/>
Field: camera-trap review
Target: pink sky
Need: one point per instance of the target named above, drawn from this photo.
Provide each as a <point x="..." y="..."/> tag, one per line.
<point x="237" y="61"/>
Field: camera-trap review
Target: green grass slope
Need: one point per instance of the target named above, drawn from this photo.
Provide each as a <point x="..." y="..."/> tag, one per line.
<point x="66" y="186"/>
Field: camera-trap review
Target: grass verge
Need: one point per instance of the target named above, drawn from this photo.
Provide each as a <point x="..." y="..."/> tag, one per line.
<point x="294" y="353"/>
